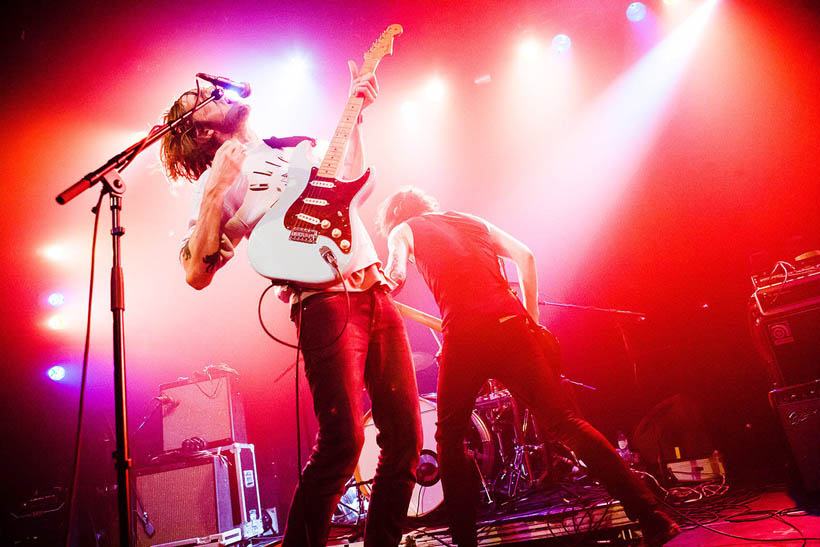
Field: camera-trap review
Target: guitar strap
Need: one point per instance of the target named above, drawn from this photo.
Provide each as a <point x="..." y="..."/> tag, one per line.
<point x="288" y="142"/>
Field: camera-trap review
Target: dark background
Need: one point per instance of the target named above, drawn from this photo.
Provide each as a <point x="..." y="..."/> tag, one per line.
<point x="641" y="184"/>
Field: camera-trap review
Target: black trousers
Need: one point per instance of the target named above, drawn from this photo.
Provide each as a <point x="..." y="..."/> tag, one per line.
<point x="510" y="352"/>
<point x="373" y="354"/>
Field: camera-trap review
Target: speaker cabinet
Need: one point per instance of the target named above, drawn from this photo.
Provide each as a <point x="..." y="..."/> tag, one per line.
<point x="798" y="408"/>
<point x="210" y="409"/>
<point x="184" y="500"/>
<point x="789" y="343"/>
<point x="213" y="495"/>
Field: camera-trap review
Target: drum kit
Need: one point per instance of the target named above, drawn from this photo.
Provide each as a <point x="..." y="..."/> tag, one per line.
<point x="511" y="456"/>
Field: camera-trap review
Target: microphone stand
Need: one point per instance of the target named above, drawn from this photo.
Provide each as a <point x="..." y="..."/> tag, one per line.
<point x="109" y="176"/>
<point x="619" y="314"/>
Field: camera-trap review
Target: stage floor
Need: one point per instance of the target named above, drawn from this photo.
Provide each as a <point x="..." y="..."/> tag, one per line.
<point x="732" y="517"/>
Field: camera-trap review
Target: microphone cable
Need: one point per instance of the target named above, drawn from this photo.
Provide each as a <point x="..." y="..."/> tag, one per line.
<point x="75" y="472"/>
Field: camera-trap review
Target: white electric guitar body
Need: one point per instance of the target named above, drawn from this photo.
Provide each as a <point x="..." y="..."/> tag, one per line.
<point x="316" y="215"/>
<point x="312" y="213"/>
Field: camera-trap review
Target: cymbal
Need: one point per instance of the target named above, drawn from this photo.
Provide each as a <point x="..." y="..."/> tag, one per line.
<point x="422" y="361"/>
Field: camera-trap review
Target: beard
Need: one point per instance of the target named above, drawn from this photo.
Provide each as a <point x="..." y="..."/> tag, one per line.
<point x="235" y="118"/>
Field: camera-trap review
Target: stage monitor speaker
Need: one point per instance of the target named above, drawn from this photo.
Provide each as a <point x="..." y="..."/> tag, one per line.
<point x="189" y="499"/>
<point x="798" y="408"/>
<point x="210" y="409"/>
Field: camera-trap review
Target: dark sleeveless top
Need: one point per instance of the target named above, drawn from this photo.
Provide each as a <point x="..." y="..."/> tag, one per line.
<point x="456" y="258"/>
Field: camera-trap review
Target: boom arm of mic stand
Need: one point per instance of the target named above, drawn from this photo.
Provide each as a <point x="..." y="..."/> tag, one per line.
<point x="121" y="160"/>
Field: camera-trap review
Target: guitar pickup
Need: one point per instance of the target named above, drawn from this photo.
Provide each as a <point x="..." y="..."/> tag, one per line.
<point x="303" y="236"/>
<point x="322" y="184"/>
<point x="315" y="201"/>
<point x="307" y="218"/>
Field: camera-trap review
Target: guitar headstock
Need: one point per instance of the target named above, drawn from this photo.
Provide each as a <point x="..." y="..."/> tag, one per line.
<point x="384" y="45"/>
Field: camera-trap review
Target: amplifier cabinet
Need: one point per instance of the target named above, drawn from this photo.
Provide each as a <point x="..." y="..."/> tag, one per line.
<point x="798" y="408"/>
<point x="214" y="494"/>
<point x="183" y="500"/>
<point x="210" y="409"/>
<point x="789" y="343"/>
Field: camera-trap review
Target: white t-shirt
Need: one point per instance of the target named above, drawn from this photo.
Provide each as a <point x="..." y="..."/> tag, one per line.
<point x="263" y="177"/>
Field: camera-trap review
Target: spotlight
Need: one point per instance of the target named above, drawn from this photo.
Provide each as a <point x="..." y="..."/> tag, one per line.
<point x="56" y="322"/>
<point x="636" y="12"/>
<point x="56" y="299"/>
<point x="561" y="43"/>
<point x="232" y="96"/>
<point x="55" y="252"/>
<point x="529" y="50"/>
<point x="296" y="68"/>
<point x="483" y="79"/>
<point x="56" y="373"/>
<point x="410" y="111"/>
<point x="435" y="90"/>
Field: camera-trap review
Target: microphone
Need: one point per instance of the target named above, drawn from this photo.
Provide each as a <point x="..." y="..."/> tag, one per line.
<point x="147" y="525"/>
<point x="165" y="399"/>
<point x="243" y="89"/>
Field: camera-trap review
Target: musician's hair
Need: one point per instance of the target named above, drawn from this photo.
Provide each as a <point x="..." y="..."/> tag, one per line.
<point x="185" y="152"/>
<point x="406" y="203"/>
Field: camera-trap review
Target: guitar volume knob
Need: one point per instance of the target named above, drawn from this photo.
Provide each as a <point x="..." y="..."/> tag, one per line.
<point x="325" y="224"/>
<point x="336" y="233"/>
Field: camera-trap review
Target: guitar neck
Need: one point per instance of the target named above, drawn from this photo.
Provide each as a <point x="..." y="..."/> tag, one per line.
<point x="417" y="315"/>
<point x="330" y="164"/>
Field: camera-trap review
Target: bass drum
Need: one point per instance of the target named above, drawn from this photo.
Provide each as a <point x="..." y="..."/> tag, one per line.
<point x="427" y="493"/>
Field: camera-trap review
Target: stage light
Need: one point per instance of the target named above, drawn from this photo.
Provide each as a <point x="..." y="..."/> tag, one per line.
<point x="636" y="12"/>
<point x="56" y="299"/>
<point x="435" y="90"/>
<point x="529" y="50"/>
<point x="296" y="69"/>
<point x="561" y="43"/>
<point x="56" y="373"/>
<point x="410" y="111"/>
<point x="232" y="96"/>
<point x="483" y="79"/>
<point x="56" y="322"/>
<point x="54" y="253"/>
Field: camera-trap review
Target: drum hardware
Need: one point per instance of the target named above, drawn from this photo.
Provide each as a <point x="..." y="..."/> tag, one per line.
<point x="426" y="499"/>
<point x="353" y="505"/>
<point x="510" y="455"/>
<point x="427" y="471"/>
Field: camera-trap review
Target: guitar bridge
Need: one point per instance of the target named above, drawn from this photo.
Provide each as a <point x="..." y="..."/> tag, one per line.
<point x="303" y="236"/>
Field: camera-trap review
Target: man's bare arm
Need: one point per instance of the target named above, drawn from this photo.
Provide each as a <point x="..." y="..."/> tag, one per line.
<point x="367" y="87"/>
<point x="400" y="247"/>
<point x="208" y="248"/>
<point x="509" y="247"/>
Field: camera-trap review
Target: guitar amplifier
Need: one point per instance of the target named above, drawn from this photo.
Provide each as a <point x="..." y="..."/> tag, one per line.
<point x="209" y="408"/>
<point x="785" y="320"/>
<point x="798" y="408"/>
<point x="213" y="494"/>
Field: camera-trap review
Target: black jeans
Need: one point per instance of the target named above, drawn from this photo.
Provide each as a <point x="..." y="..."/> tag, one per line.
<point x="510" y="352"/>
<point x="373" y="353"/>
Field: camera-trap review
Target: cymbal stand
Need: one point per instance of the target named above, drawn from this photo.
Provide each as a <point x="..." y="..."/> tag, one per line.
<point x="620" y="315"/>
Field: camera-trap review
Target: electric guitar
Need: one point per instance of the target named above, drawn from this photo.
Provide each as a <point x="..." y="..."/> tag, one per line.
<point x="315" y="223"/>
